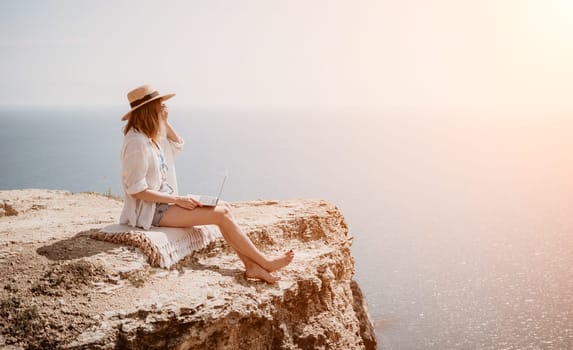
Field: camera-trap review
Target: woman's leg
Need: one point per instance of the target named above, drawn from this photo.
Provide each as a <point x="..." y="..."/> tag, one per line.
<point x="221" y="215"/>
<point x="246" y="260"/>
<point x="254" y="270"/>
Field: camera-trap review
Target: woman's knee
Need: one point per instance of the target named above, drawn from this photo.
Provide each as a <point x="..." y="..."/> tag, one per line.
<point x="223" y="212"/>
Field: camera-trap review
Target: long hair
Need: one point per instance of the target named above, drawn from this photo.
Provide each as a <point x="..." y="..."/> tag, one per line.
<point x="146" y="119"/>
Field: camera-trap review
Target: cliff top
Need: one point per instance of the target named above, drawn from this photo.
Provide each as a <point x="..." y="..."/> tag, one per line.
<point x="59" y="287"/>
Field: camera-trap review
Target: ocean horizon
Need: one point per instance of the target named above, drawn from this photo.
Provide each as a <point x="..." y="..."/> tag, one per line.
<point x="462" y="227"/>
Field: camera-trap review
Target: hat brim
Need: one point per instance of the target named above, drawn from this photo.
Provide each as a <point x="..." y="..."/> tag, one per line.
<point x="163" y="97"/>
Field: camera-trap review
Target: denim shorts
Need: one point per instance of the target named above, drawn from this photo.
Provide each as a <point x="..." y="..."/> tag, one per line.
<point x="160" y="210"/>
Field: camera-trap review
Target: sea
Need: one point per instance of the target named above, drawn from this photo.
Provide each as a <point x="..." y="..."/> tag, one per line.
<point x="462" y="225"/>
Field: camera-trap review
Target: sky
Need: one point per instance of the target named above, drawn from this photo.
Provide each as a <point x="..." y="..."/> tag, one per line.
<point x="488" y="56"/>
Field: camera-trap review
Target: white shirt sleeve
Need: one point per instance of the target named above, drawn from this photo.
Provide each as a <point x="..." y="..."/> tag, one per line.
<point x="134" y="165"/>
<point x="176" y="147"/>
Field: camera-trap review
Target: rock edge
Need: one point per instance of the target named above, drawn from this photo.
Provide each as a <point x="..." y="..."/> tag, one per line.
<point x="62" y="289"/>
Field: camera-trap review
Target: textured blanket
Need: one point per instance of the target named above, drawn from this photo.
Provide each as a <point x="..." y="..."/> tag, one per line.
<point x="164" y="246"/>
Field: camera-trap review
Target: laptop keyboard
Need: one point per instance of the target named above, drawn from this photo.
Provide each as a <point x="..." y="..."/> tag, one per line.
<point x="208" y="200"/>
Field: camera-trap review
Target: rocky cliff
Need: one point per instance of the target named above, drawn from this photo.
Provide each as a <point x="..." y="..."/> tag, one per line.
<point x="61" y="289"/>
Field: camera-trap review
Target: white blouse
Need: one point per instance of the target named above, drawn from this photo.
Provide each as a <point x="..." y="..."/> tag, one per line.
<point x="140" y="170"/>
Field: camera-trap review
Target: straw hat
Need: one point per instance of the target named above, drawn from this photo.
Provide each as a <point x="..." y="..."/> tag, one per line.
<point x="142" y="95"/>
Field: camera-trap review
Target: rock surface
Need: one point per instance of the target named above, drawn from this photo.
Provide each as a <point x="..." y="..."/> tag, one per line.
<point x="61" y="289"/>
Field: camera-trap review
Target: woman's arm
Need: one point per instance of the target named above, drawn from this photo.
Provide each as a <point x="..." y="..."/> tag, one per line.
<point x="158" y="197"/>
<point x="171" y="134"/>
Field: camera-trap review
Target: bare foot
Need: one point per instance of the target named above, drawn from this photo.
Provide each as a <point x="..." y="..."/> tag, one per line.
<point x="255" y="272"/>
<point x="280" y="262"/>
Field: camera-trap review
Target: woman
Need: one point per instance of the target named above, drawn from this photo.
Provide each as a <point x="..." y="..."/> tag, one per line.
<point x="150" y="186"/>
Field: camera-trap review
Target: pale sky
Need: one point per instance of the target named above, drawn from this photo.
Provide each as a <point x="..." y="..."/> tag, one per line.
<point x="462" y="55"/>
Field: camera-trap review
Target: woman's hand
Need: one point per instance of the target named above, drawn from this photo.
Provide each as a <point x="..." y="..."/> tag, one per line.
<point x="164" y="112"/>
<point x="187" y="203"/>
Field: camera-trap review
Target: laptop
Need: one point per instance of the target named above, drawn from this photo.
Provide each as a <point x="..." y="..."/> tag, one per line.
<point x="211" y="201"/>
